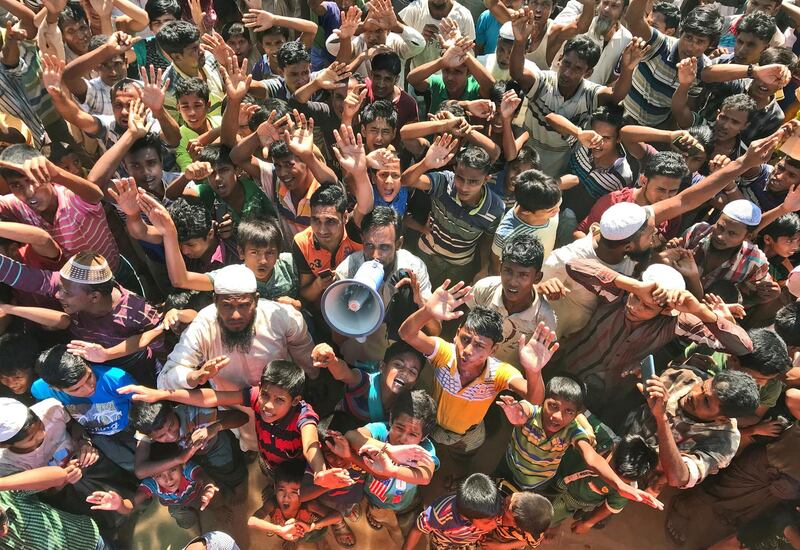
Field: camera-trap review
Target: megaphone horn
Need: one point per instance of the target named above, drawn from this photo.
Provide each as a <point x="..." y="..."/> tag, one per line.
<point x="353" y="307"/>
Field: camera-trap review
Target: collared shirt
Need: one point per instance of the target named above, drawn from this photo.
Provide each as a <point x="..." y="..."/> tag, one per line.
<point x="55" y="450"/>
<point x="310" y="257"/>
<point x="294" y="219"/>
<point x="706" y="447"/>
<point x="283" y="281"/>
<point x="446" y="527"/>
<point x="210" y="70"/>
<point x="255" y="203"/>
<point x="745" y="268"/>
<point x="611" y="344"/>
<point x="461" y="407"/>
<point x="456" y="229"/>
<point x="532" y="455"/>
<point x="407" y="44"/>
<point x="281" y="440"/>
<point x="595" y="180"/>
<point x="488" y="292"/>
<point x="416" y="15"/>
<point x="655" y="80"/>
<point x="668" y="228"/>
<point x="511" y="226"/>
<point x="189" y="488"/>
<point x="15" y="102"/>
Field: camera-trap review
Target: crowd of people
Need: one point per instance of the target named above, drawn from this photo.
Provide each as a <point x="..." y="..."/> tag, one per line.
<point x="583" y="219"/>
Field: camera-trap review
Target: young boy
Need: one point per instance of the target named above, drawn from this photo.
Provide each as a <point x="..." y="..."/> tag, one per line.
<point x="286" y="426"/>
<point x="523" y="521"/>
<point x="193" y="104"/>
<point x="368" y="396"/>
<point x="504" y="182"/>
<point x="159" y="13"/>
<point x="581" y="489"/>
<point x="290" y="517"/>
<point x="270" y="41"/>
<point x="184" y="489"/>
<point x="18" y="353"/>
<point x="779" y="241"/>
<point x="378" y="125"/>
<point x="536" y="212"/>
<point x="462" y="519"/>
<point x="202" y="433"/>
<point x="89" y="394"/>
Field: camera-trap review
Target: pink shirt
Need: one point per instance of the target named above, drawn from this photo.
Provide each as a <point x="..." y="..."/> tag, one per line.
<point x="78" y="225"/>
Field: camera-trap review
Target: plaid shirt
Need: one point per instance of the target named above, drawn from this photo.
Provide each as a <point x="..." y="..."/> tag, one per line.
<point x="745" y="268"/>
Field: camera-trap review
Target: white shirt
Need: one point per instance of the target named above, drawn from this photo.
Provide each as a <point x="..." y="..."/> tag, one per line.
<point x="417" y="15"/>
<point x="490" y="62"/>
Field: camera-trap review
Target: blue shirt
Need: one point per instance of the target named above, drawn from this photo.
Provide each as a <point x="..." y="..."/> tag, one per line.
<point x="103" y="413"/>
<point x="487" y="31"/>
<point x="391" y="493"/>
<point x="399" y="203"/>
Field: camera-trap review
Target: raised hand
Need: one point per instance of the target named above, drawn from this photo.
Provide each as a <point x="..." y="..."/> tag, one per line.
<point x="207" y="371"/>
<point x="333" y="478"/>
<point x="109" y="501"/>
<point x="91" y="351"/>
<point x="208" y="493"/>
<point x="258" y="20"/>
<point x="522" y="24"/>
<point x="322" y="356"/>
<point x="791" y="203"/>
<point x="408" y="455"/>
<point x="411" y="280"/>
<point x="381" y="159"/>
<point x="513" y="410"/>
<point x="126" y="194"/>
<point x="553" y="289"/>
<point x="216" y="46"/>
<point x="634" y="52"/>
<point x="382" y="12"/>
<point x="300" y="135"/>
<point x="237" y="81"/>
<point x="14" y="33"/>
<point x="481" y="108"/>
<point x="774" y="75"/>
<point x="717" y="163"/>
<point x="682" y="260"/>
<point x="349" y="150"/>
<point x="198" y="171"/>
<point x="37" y="169"/>
<point x="137" y="119"/>
<point x="449" y="32"/>
<point x="330" y="77"/>
<point x="156" y="213"/>
<point x="350" y="20"/>
<point x="509" y="104"/>
<point x="718" y="305"/>
<point x="687" y="71"/>
<point x="441" y="152"/>
<point x="153" y="91"/>
<point x="271" y="130"/>
<point x="198" y="15"/>
<point x="760" y="150"/>
<point x="456" y="55"/>
<point x="590" y="139"/>
<point x="54" y="6"/>
<point x="538" y="350"/>
<point x="121" y="42"/>
<point x="52" y="73"/>
<point x="656" y="395"/>
<point x="338" y="444"/>
<point x="444" y="302"/>
<point x="352" y="103"/>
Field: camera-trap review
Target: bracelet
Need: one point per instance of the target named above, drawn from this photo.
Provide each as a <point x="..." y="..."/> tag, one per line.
<point x="750" y="71"/>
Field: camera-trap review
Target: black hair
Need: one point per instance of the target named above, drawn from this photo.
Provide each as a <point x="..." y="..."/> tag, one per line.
<point x="382" y="108"/>
<point x="759" y="24"/>
<point x="280" y="107"/>
<point x="285" y="375"/>
<point x="740" y="102"/>
<point x="18" y="352"/>
<point x="151" y="140"/>
<point x="279" y="150"/>
<point x="535" y="190"/>
<point x="769" y="356"/>
<point x="611" y="114"/>
<point x="330" y="194"/>
<point x="531" y="512"/>
<point x="787" y="225"/>
<point x="157" y="8"/>
<point x="176" y="36"/>
<point x="783" y="56"/>
<point x="668" y="164"/>
<point x="402" y="348"/>
<point x="528" y="155"/>
<point x="703" y="21"/>
<point x="124" y="84"/>
<point x="149" y="417"/>
<point x="474" y="156"/>
<point x="259" y="233"/>
<point x="416" y="404"/>
<point x="96" y="41"/>
<point x="17" y="154"/>
<point x="585" y="48"/>
<point x="478" y="498"/>
<point x="671" y="13"/>
<point x="24" y="431"/>
<point x="703" y="134"/>
<point x="235" y="28"/>
<point x="192" y="86"/>
<point x="382" y="216"/>
<point x="59" y="368"/>
<point x="290" y="471"/>
<point x="451" y="106"/>
<point x="737" y="393"/>
<point x="566" y="388"/>
<point x="283" y="31"/>
<point x="216" y="154"/>
<point x="164" y="451"/>
<point x="73" y="11"/>
<point x="485" y="322"/>
<point x="389" y="62"/>
<point x="634" y="459"/>
<point x="501" y="87"/>
<point x="727" y="290"/>
<point x="59" y="150"/>
<point x="787" y="323"/>
<point x="292" y="53"/>
<point x="192" y="219"/>
<point x="524" y="249"/>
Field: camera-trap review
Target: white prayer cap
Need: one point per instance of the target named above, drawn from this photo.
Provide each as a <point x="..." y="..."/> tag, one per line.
<point x="665" y="276"/>
<point x="793" y="283"/>
<point x="87" y="268"/>
<point x="622" y="220"/>
<point x="743" y="211"/>
<point x="13" y="415"/>
<point x="506" y="32"/>
<point x="235" y="279"/>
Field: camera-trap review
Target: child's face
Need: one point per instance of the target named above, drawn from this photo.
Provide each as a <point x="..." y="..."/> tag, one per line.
<point x="113" y="70"/>
<point x="189" y="60"/>
<point x="518" y="281"/>
<point x="240" y="45"/>
<point x="783" y="177"/>
<point x="223" y="180"/>
<point x="169" y="432"/>
<point x="784" y="246"/>
<point x="193" y="110"/>
<point x="730" y="123"/>
<point x="145" y="167"/>
<point x="287" y="495"/>
<point x="406" y="430"/>
<point x="260" y="259"/>
<point x="469" y="183"/>
<point x="271" y="43"/>
<point x="538" y="217"/>
<point x="514" y="169"/>
<point x="196" y="248"/>
<point x="274" y="403"/>
<point x="121" y="104"/>
<point x="32" y="441"/>
<point x="85" y="387"/>
<point x="72" y="164"/>
<point x="387" y="182"/>
<point x="472" y="350"/>
<point x="609" y="134"/>
<point x="39" y="197"/>
<point x="292" y="172"/>
<point x="19" y="382"/>
<point x="160" y="21"/>
<point x="401" y="372"/>
<point x="378" y="134"/>
<point x="169" y="480"/>
<point x="557" y="413"/>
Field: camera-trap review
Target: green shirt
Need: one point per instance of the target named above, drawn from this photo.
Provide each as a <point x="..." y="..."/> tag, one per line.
<point x="586" y="487"/>
<point x="182" y="156"/>
<point x="284" y="280"/>
<point x="34" y="525"/>
<point x="256" y="203"/>
<point x="439" y="92"/>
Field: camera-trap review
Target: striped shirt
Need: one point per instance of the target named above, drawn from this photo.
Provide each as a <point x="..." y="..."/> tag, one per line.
<point x="15" y="102"/>
<point x="745" y="268"/>
<point x="533" y="456"/>
<point x="98" y="97"/>
<point x="456" y="229"/>
<point x="511" y="226"/>
<point x="599" y="181"/>
<point x="294" y="219"/>
<point x="187" y="492"/>
<point x="77" y="226"/>
<point x="459" y="408"/>
<point x="655" y="80"/>
<point x="445" y="526"/>
<point x="209" y="73"/>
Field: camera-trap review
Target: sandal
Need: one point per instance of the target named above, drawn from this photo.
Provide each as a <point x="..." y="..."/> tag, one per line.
<point x="344" y="534"/>
<point x="372" y="522"/>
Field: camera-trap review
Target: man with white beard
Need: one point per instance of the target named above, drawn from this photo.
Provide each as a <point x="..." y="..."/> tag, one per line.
<point x="606" y="31"/>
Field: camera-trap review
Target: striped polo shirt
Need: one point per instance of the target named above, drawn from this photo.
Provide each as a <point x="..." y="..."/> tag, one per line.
<point x="456" y="229"/>
<point x="446" y="527"/>
<point x="655" y="80"/>
<point x="599" y="181"/>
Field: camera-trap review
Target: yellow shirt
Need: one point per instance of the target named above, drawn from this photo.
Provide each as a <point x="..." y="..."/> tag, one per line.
<point x="461" y="408"/>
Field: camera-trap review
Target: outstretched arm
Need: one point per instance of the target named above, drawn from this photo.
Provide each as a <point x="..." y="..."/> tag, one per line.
<point x="442" y="305"/>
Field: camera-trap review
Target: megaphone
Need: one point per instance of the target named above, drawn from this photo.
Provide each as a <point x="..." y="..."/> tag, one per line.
<point x="353" y="307"/>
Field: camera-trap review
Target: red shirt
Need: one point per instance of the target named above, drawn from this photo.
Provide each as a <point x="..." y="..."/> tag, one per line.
<point x="669" y="228"/>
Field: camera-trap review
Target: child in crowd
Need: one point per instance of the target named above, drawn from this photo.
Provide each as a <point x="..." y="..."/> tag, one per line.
<point x="779" y="241"/>
<point x="193" y="104"/>
<point x="18" y="354"/>
<point x="505" y="181"/>
<point x="525" y="518"/>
